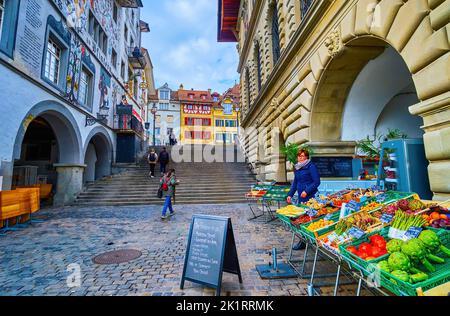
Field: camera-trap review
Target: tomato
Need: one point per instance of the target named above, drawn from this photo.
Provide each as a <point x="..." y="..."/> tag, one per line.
<point x="362" y="255"/>
<point x="376" y="252"/>
<point x="352" y="249"/>
<point x="365" y="247"/>
<point x="370" y="258"/>
<point x="378" y="241"/>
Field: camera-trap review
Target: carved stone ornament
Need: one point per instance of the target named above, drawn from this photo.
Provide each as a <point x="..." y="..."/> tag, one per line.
<point x="275" y="106"/>
<point x="334" y="42"/>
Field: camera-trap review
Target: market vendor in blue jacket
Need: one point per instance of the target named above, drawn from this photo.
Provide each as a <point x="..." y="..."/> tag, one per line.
<point x="306" y="183"/>
<point x="307" y="178"/>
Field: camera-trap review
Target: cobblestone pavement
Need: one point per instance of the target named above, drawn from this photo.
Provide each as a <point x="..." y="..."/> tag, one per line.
<point x="35" y="260"/>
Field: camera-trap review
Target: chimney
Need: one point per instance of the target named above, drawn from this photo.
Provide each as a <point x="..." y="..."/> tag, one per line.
<point x="209" y="90"/>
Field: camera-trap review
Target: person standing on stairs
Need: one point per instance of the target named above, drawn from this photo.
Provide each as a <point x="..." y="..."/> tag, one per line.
<point x="163" y="159"/>
<point x="152" y="158"/>
<point x="168" y="183"/>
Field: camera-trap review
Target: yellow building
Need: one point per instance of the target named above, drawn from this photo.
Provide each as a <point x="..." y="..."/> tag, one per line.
<point x="330" y="73"/>
<point x="226" y="117"/>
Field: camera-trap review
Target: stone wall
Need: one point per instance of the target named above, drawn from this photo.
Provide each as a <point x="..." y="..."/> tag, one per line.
<point x="321" y="57"/>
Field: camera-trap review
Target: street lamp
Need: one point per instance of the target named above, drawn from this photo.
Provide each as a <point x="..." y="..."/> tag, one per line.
<point x="153" y="111"/>
<point x="237" y="108"/>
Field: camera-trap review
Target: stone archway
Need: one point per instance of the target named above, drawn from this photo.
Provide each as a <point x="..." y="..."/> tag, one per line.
<point x="421" y="41"/>
<point x="67" y="164"/>
<point x="98" y="155"/>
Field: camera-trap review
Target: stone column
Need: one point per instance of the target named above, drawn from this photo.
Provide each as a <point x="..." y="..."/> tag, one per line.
<point x="436" y="116"/>
<point x="70" y="183"/>
<point x="6" y="172"/>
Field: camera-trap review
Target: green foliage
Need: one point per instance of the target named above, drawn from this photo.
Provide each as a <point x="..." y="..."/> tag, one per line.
<point x="291" y="151"/>
<point x="395" y="134"/>
<point x="368" y="148"/>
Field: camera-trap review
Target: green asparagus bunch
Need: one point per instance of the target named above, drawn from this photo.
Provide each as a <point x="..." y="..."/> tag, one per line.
<point x="403" y="221"/>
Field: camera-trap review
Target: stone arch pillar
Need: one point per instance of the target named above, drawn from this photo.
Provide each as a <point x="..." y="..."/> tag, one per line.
<point x="418" y="31"/>
<point x="70" y="167"/>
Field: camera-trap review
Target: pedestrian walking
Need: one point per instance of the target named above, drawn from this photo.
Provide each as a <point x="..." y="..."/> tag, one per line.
<point x="152" y="158"/>
<point x="168" y="183"/>
<point x="163" y="159"/>
<point x="172" y="139"/>
<point x="306" y="183"/>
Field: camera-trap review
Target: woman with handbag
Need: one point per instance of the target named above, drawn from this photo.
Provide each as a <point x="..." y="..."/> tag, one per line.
<point x="167" y="186"/>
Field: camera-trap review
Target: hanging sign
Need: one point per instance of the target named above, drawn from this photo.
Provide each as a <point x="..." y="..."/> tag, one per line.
<point x="211" y="250"/>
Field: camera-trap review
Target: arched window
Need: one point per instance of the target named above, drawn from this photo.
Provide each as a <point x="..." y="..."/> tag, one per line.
<point x="258" y="64"/>
<point x="275" y="35"/>
<point x="247" y="84"/>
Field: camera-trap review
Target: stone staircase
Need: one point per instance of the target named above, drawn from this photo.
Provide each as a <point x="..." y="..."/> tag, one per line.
<point x="200" y="183"/>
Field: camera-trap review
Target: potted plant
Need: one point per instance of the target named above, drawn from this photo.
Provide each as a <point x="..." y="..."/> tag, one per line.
<point x="291" y="151"/>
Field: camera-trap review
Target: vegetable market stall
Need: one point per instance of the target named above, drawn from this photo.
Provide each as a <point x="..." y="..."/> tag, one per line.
<point x="262" y="198"/>
<point x="379" y="216"/>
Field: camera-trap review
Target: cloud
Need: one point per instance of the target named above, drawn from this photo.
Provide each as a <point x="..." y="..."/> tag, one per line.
<point x="183" y="45"/>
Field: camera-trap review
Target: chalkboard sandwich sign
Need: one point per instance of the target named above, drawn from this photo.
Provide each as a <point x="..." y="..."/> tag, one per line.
<point x="211" y="250"/>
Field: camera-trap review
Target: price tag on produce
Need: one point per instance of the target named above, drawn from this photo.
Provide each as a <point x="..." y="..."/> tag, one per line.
<point x="332" y="237"/>
<point x="387" y="218"/>
<point x="376" y="188"/>
<point x="311" y="212"/>
<point x="395" y="233"/>
<point x="381" y="198"/>
<point x="363" y="199"/>
<point x="412" y="232"/>
<point x="353" y="205"/>
<point x="356" y="232"/>
<point x="328" y="217"/>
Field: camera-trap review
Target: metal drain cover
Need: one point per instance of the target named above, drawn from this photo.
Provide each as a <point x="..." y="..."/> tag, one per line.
<point x="118" y="256"/>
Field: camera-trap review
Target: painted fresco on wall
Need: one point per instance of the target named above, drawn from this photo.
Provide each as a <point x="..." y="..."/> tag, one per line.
<point x="77" y="13"/>
<point x="73" y="69"/>
<point x="104" y="87"/>
<point x="78" y="56"/>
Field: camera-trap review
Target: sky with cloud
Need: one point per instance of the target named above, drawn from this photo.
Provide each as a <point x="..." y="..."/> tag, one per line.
<point x="183" y="45"/>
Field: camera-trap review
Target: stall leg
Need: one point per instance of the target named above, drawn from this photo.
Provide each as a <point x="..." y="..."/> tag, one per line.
<point x="305" y="256"/>
<point x="292" y="245"/>
<point x="358" y="290"/>
<point x="336" y="287"/>
<point x="311" y="284"/>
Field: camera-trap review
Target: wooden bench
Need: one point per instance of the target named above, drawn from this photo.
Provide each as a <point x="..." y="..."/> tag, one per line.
<point x="11" y="206"/>
<point x="30" y="200"/>
<point x="16" y="206"/>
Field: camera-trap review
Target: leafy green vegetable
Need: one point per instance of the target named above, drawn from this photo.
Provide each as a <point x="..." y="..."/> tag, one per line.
<point x="415" y="250"/>
<point x="394" y="245"/>
<point x="402" y="275"/>
<point x="432" y="242"/>
<point x="384" y="265"/>
<point x="399" y="261"/>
